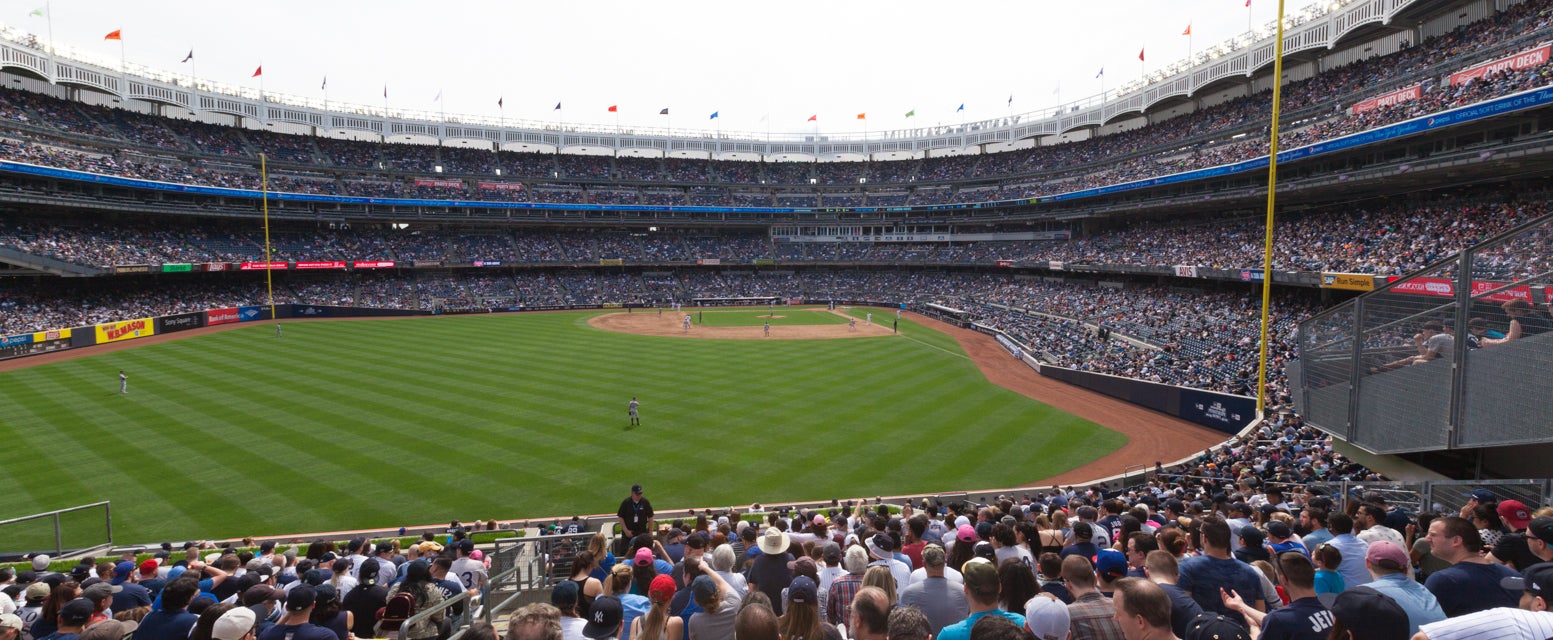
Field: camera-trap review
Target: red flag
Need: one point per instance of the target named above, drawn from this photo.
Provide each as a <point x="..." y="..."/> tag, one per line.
<point x="258" y="72"/>
<point x="1140" y="55"/>
<point x="1188" y="30"/>
<point x="613" y="109"/>
<point x="814" y="117"/>
<point x="1248" y="4"/>
<point x="116" y="35"/>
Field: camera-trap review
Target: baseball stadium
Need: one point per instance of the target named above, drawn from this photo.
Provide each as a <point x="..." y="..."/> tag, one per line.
<point x="1293" y="285"/>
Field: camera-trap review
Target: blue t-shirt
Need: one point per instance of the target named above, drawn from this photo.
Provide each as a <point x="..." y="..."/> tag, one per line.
<point x="1329" y="582"/>
<point x="304" y="631"/>
<point x="1469" y="587"/>
<point x="1086" y="549"/>
<point x="1203" y="576"/>
<point x="165" y="625"/>
<point x="962" y="630"/>
<point x="1303" y="619"/>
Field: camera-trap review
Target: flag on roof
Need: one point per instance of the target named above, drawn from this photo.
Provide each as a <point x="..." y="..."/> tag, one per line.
<point x="439" y="96"/>
<point x="911" y="113"/>
<point x="385" y="92"/>
<point x="37" y="12"/>
<point x="862" y="116"/>
<point x="557" y="107"/>
<point x="325" y="84"/>
<point x="962" y="108"/>
<point x="1010" y="99"/>
<point x="664" y="112"/>
<point x="116" y="34"/>
<point x="814" y="117"/>
<point x="189" y="57"/>
<point x="614" y="108"/>
<point x="1188" y="30"/>
<point x="258" y="72"/>
<point x="499" y="101"/>
<point x="1140" y="55"/>
<point x="714" y="116"/>
<point x="1101" y="74"/>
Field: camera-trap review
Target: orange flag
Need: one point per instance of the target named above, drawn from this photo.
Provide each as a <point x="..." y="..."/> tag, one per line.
<point x="1188" y="30"/>
<point x="862" y="116"/>
<point x="115" y="35"/>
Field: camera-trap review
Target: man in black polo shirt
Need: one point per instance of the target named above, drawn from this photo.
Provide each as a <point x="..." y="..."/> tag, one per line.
<point x="635" y="513"/>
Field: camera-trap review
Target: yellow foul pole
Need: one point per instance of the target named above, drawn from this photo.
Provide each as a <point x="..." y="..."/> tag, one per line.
<point x="264" y="199"/>
<point x="1272" y="192"/>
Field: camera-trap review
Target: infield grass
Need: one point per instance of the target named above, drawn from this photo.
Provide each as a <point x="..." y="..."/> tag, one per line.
<point x="365" y="424"/>
<point x="783" y="316"/>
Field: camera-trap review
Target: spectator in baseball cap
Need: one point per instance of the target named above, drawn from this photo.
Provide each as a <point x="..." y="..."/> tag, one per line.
<point x="1531" y="619"/>
<point x="1539" y="538"/>
<point x="1214" y="626"/>
<point x="1389" y="564"/>
<point x="604" y="618"/>
<point x="1362" y="613"/>
<point x="10" y="626"/>
<point x="1514" y="514"/>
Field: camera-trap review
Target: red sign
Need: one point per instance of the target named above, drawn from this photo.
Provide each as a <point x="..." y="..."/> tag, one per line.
<point x="1522" y="60"/>
<point x="121" y="329"/>
<point x="453" y="184"/>
<point x="332" y="264"/>
<point x="53" y="334"/>
<point x="1005" y="263"/>
<point x="221" y="316"/>
<point x="216" y="266"/>
<point x="373" y="264"/>
<point x="1443" y="288"/>
<point x="1396" y="97"/>
<point x="502" y="186"/>
<point x="262" y="266"/>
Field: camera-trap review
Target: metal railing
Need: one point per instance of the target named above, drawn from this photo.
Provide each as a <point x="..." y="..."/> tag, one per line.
<point x="59" y="532"/>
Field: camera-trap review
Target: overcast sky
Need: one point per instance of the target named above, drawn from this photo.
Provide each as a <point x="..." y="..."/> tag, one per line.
<point x="745" y="60"/>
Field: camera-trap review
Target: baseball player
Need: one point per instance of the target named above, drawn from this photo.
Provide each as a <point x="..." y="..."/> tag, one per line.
<point x="768" y="328"/>
<point x="852" y="324"/>
<point x="636" y="420"/>
<point x="687" y="323"/>
<point x="277" y="329"/>
<point x="870" y="318"/>
<point x="123" y="382"/>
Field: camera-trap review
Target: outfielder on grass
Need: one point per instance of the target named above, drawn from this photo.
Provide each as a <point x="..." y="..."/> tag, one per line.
<point x="636" y="420"/>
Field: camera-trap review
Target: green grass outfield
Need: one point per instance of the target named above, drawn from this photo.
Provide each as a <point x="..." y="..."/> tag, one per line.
<point x="343" y="425"/>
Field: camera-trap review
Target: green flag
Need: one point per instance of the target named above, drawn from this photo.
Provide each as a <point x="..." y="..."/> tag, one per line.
<point x="36" y="12"/>
<point x="911" y="113"/>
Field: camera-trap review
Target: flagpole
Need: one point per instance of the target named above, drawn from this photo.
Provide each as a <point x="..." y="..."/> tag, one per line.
<point x="264" y="195"/>
<point x="194" y="73"/>
<point x="48" y="9"/>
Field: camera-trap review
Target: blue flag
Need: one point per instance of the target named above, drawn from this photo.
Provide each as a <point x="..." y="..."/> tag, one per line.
<point x="714" y="116"/>
<point x="1102" y="72"/>
<point x="962" y="108"/>
<point x="557" y="107"/>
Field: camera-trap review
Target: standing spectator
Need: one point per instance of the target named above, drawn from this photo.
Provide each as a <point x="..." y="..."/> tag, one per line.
<point x="1471" y="583"/>
<point x="942" y="601"/>
<point x="1351" y="548"/>
<point x="1162" y="568"/>
<point x="838" y="604"/>
<point x="173" y="621"/>
<point x="1093" y="616"/>
<point x="1142" y="610"/>
<point x="769" y="573"/>
<point x="870" y="615"/>
<point x="1205" y="575"/>
<point x="1047" y="618"/>
<point x="296" y="624"/>
<point x="719" y="608"/>
<point x="635" y="513"/>
<point x="1304" y="618"/>
<point x="365" y="599"/>
<point x="1388" y="563"/>
<point x="981" y="594"/>
<point x="905" y="623"/>
<point x="1533" y="618"/>
<point x="882" y="548"/>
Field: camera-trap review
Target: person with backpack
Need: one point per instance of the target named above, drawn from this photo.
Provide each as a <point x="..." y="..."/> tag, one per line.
<point x="415" y="593"/>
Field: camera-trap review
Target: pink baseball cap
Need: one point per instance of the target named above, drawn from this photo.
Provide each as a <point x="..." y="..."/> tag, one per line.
<point x="644" y="557"/>
<point x="966" y="533"/>
<point x="1386" y="550"/>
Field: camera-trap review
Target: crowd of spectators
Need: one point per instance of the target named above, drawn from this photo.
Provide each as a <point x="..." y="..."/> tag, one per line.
<point x="188" y="152"/>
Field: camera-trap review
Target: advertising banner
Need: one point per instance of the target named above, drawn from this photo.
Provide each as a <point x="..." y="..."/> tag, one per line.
<point x="326" y="264"/>
<point x="373" y="264"/>
<point x="1224" y="412"/>
<point x="180" y="322"/>
<point x="487" y="263"/>
<point x="424" y="182"/>
<point x="262" y="266"/>
<point x="1005" y="263"/>
<point x="217" y="266"/>
<point x="177" y="268"/>
<point x="21" y="338"/>
<point x="1442" y="288"/>
<point x="125" y="330"/>
<point x="33" y="347"/>
<point x="709" y="261"/>
<point x="501" y="186"/>
<point x="426" y="263"/>
<point x="250" y="314"/>
<point x="611" y="262"/>
<point x="132" y="268"/>
<point x="1523" y="60"/>
<point x="1348" y="281"/>
<point x="763" y="262"/>
<point x="1186" y="271"/>
<point x="1396" y="97"/>
<point x="220" y="316"/>
<point x="1054" y="265"/>
<point x="1250" y="275"/>
<point x="51" y="334"/>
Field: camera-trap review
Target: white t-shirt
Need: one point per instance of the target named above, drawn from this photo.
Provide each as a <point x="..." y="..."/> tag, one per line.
<point x="571" y="628"/>
<point x="470" y="572"/>
<point x="949" y="573"/>
<point x="1504" y="623"/>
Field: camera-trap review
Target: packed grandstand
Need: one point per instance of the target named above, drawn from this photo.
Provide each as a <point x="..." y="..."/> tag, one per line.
<point x="1125" y="295"/>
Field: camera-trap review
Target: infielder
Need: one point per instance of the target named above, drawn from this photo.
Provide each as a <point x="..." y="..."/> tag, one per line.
<point x="687" y="323"/>
<point x="636" y="420"/>
<point x="768" y="328"/>
<point x="870" y="318"/>
<point x="852" y="324"/>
